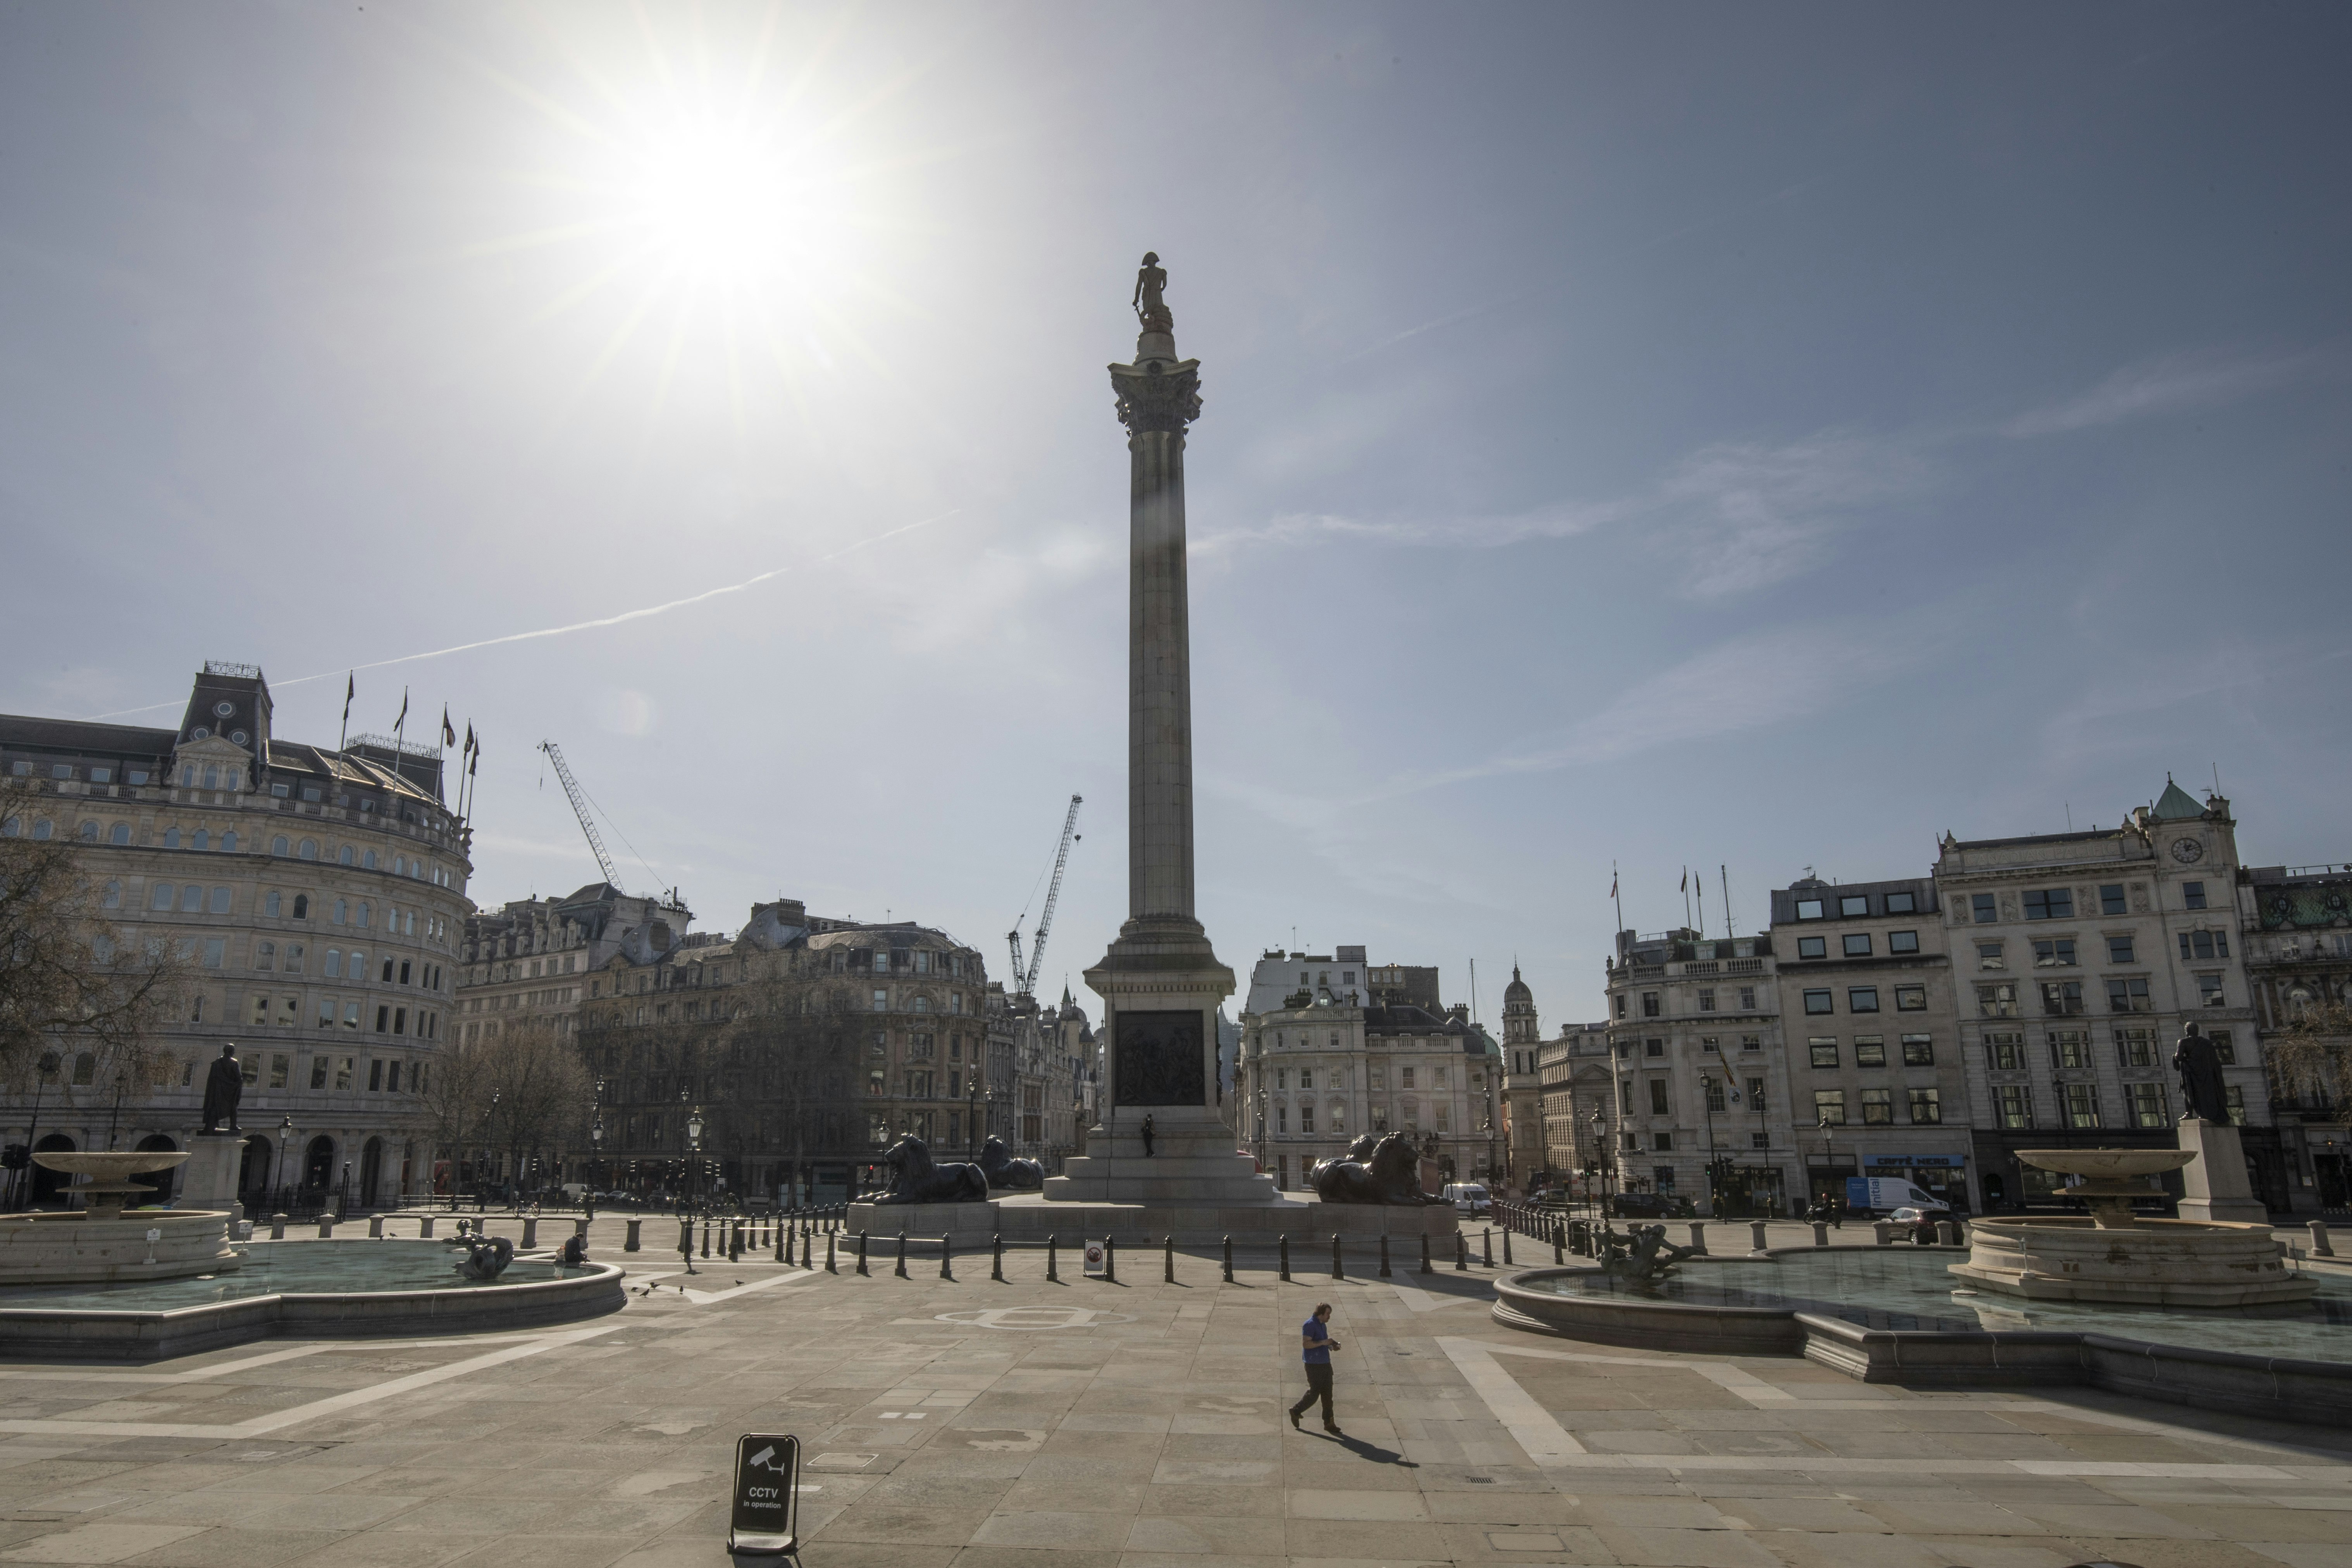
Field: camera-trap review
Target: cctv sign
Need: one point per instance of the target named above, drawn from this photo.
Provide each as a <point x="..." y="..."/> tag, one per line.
<point x="766" y="1511"/>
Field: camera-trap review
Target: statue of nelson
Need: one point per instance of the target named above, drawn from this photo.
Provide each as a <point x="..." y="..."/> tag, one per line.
<point x="224" y="1087"/>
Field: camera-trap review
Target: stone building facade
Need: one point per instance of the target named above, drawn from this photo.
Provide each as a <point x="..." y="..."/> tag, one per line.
<point x="527" y="962"/>
<point x="2079" y="956"/>
<point x="2296" y="931"/>
<point x="1702" y="1076"/>
<point x="316" y="894"/>
<point x="1579" y="1114"/>
<point x="1523" y="1111"/>
<point x="807" y="1045"/>
<point x="1867" y="1000"/>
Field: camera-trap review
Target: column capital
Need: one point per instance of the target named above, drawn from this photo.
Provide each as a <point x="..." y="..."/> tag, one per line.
<point x="1158" y="394"/>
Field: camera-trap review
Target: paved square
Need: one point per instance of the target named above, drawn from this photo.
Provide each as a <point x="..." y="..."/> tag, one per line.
<point x="1085" y="1423"/>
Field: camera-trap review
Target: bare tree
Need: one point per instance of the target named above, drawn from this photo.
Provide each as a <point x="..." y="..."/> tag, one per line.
<point x="70" y="982"/>
<point x="2310" y="1058"/>
<point x="791" y="1061"/>
<point x="539" y="1093"/>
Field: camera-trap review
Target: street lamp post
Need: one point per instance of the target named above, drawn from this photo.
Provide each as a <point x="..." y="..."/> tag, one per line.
<point x="972" y="1115"/>
<point x="694" y="1151"/>
<point x="277" y="1170"/>
<point x="43" y="1071"/>
<point x="1707" y="1103"/>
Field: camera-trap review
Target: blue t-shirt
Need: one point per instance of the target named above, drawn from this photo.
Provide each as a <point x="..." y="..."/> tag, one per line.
<point x="1317" y="1353"/>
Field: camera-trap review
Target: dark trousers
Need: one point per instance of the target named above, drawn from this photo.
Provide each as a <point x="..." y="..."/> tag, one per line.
<point x="1318" y="1386"/>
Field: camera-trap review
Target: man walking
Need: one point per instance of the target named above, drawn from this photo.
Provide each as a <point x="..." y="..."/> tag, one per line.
<point x="1316" y="1345"/>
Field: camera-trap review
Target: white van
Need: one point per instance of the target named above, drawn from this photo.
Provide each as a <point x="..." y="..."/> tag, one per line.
<point x="1468" y="1198"/>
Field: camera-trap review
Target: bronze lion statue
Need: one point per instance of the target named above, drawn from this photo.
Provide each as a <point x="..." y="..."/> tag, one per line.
<point x="914" y="1179"/>
<point x="997" y="1164"/>
<point x="1387" y="1172"/>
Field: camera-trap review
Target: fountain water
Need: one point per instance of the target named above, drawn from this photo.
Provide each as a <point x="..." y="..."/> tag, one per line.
<point x="2115" y="1256"/>
<point x="102" y="1243"/>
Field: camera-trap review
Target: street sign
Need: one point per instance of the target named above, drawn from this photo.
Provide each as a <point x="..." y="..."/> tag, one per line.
<point x="767" y="1510"/>
<point x="1094" y="1258"/>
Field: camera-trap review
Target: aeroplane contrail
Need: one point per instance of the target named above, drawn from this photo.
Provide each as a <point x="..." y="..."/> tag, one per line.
<point x="636" y="615"/>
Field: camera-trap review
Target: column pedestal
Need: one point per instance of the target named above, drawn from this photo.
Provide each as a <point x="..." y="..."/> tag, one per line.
<point x="2215" y="1184"/>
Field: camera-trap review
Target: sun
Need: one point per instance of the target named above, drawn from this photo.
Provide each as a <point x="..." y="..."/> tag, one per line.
<point x="729" y="202"/>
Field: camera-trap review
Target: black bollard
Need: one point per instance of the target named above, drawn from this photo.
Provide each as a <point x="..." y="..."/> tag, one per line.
<point x="1461" y="1253"/>
<point x="1558" y="1243"/>
<point x="829" y="1269"/>
<point x="706" y="1238"/>
<point x="735" y="1241"/>
<point x="1486" y="1246"/>
<point x="1110" y="1260"/>
<point x="1337" y="1272"/>
<point x="1384" y="1256"/>
<point x="781" y="1257"/>
<point x="1167" y="1275"/>
<point x="996" y="1266"/>
<point x="861" y="1252"/>
<point x="945" y="1271"/>
<point x="1229" y="1260"/>
<point x="1506" y="1249"/>
<point x="1285" y="1257"/>
<point x="902" y="1255"/>
<point x="1425" y="1268"/>
<point x="1052" y="1276"/>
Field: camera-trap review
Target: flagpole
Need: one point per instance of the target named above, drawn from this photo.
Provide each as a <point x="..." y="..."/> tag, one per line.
<point x="1614" y="894"/>
<point x="1701" y="891"/>
<point x="1726" y="869"/>
<point x="350" y="687"/>
<point x="1687" y="912"/>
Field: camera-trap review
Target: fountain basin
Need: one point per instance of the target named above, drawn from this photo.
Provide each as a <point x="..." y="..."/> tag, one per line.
<point x="355" y="1288"/>
<point x="112" y="1245"/>
<point x="2109" y="1164"/>
<point x="2151" y="1263"/>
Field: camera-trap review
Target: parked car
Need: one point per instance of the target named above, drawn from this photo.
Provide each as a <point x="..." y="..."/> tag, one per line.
<point x="1469" y="1197"/>
<point x="1920" y="1222"/>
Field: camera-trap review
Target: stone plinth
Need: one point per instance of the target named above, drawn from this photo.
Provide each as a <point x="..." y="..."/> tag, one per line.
<point x="2157" y="1263"/>
<point x="208" y="1181"/>
<point x="2215" y="1185"/>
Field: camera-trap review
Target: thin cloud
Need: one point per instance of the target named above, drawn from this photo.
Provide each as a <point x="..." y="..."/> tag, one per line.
<point x="2167" y="385"/>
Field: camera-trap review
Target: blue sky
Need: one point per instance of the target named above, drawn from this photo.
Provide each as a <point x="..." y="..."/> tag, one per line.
<point x="1761" y="437"/>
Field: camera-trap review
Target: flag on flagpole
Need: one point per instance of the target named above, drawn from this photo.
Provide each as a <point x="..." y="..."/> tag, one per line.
<point x="448" y="730"/>
<point x="350" y="689"/>
<point x="1613" y="884"/>
<point x="403" y="720"/>
<point x="469" y="737"/>
<point x="1685" y="887"/>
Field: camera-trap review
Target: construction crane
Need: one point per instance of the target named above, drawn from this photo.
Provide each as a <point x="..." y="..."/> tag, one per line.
<point x="580" y="810"/>
<point x="1025" y="976"/>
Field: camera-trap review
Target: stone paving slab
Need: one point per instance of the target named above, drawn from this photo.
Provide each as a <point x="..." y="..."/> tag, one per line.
<point x="971" y="1424"/>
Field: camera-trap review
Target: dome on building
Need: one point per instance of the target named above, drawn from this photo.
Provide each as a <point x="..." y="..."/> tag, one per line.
<point x="1517" y="995"/>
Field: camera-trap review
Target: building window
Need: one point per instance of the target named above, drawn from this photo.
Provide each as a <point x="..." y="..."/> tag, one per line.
<point x="265" y="955"/>
<point x="113" y="898"/>
<point x="2136" y="1047"/>
<point x="1857" y="944"/>
<point x="1812" y="947"/>
<point x="1649" y="1003"/>
<point x="1854" y="905"/>
<point x="1810" y="908"/>
<point x="2192" y="895"/>
<point x="2006" y="1052"/>
<point x="1658" y="1104"/>
<point x="2129" y="995"/>
<point x="2119" y="949"/>
<point x="881" y="1000"/>
<point x="1902" y="941"/>
<point x="2049" y="903"/>
<point x="1989" y="955"/>
<point x="2222" y="1047"/>
<point x="1751" y="1042"/>
<point x="1748" y="999"/>
<point x="2209" y="991"/>
<point x="2063" y="998"/>
<point x="2111" y="898"/>
<point x="120" y="834"/>
<point x="1919" y="1050"/>
<point x="1902" y="903"/>
<point x="1860" y="999"/>
<point x="2068" y="1049"/>
<point x="1927" y="1106"/>
<point x="1707" y="1000"/>
<point x="2054" y="953"/>
<point x="1755" y="1095"/>
<point x="1877" y="1107"/>
<point x="2233" y="1098"/>
<point x="2014" y="1104"/>
<point x="1649" y="1049"/>
<point x="1710" y="1044"/>
<point x="1818" y="1002"/>
<point x="1983" y="906"/>
<point x="1824" y="1049"/>
<point x="1997" y="1001"/>
<point x="1829" y="1105"/>
<point x="1306" y="1119"/>
<point x="1910" y="998"/>
<point x="1870" y="1050"/>
<point x="1715" y="1100"/>
<point x="2144" y="1102"/>
<point x="2204" y="946"/>
<point x="2081" y="1104"/>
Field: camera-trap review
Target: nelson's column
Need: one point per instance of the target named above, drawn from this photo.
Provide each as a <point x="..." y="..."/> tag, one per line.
<point x="1160" y="981"/>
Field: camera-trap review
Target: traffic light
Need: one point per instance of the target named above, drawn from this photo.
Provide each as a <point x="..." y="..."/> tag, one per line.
<point x="16" y="1157"/>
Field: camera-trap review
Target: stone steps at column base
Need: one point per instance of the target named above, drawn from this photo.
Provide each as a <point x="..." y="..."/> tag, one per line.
<point x="1029" y="1218"/>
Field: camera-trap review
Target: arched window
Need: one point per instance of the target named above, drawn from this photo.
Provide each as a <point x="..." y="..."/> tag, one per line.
<point x="345" y="856"/>
<point x="43" y="827"/>
<point x="204" y="839"/>
<point x="85" y="1071"/>
<point x="221" y="901"/>
<point x="301" y="906"/>
<point x="171" y="838"/>
<point x="121" y="833"/>
<point x="334" y="970"/>
<point x="162" y="897"/>
<point x="400" y="865"/>
<point x="277" y="845"/>
<point x="113" y="898"/>
<point x="12" y="827"/>
<point x="229" y="842"/>
<point x="361" y="919"/>
<point x="342" y="910"/>
<point x="309" y="850"/>
<point x="370" y="861"/>
<point x="192" y="899"/>
<point x="270" y="903"/>
<point x="265" y="955"/>
<point x="89" y="833"/>
<point x="212" y="777"/>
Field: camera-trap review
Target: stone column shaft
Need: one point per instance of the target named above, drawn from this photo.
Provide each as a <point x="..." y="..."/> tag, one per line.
<point x="1160" y="681"/>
